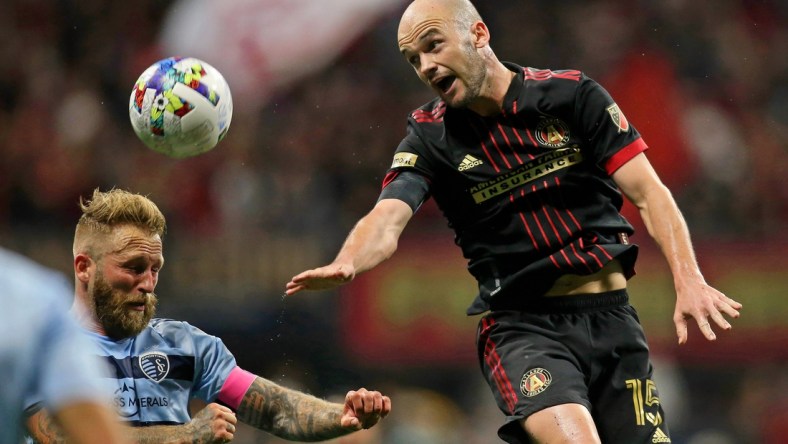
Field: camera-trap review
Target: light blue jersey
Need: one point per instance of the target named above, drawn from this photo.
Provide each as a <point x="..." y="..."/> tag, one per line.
<point x="156" y="373"/>
<point x="44" y="355"/>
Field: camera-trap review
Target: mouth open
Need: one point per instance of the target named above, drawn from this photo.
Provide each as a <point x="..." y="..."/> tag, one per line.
<point x="137" y="306"/>
<point x="445" y="83"/>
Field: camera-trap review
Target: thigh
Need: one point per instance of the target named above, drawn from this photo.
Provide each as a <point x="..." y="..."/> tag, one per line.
<point x="565" y="423"/>
<point x="529" y="368"/>
<point x="626" y="405"/>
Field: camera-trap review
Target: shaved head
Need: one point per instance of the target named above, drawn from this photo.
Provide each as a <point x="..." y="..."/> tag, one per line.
<point x="448" y="45"/>
<point x="461" y="13"/>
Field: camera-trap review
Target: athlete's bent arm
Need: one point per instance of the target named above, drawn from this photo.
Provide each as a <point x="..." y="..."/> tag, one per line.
<point x="297" y="416"/>
<point x="213" y="424"/>
<point x="372" y="241"/>
<point x="87" y="422"/>
<point x="283" y="412"/>
<point x="664" y="222"/>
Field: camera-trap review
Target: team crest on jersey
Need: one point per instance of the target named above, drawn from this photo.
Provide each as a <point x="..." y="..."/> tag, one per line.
<point x="618" y="118"/>
<point x="535" y="381"/>
<point x="155" y="365"/>
<point x="552" y="133"/>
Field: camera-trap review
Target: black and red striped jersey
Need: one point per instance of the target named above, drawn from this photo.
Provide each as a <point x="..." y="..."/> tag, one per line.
<point x="528" y="192"/>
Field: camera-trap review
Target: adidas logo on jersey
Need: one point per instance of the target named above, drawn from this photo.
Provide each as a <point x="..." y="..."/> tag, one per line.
<point x="468" y="162"/>
<point x="659" y="436"/>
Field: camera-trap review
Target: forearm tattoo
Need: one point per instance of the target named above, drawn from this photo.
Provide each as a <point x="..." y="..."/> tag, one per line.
<point x="167" y="434"/>
<point x="290" y="414"/>
<point x="45" y="430"/>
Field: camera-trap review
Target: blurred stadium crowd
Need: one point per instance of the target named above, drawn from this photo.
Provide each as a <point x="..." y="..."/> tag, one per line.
<point x="705" y="82"/>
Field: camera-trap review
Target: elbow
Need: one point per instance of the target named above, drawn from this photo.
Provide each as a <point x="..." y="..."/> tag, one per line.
<point x="653" y="196"/>
<point x="389" y="247"/>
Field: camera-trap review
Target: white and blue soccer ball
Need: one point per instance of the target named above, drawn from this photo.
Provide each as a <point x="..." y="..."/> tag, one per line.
<point x="181" y="107"/>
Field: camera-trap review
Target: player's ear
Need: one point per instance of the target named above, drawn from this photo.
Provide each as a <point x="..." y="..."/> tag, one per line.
<point x="83" y="267"/>
<point x="481" y="35"/>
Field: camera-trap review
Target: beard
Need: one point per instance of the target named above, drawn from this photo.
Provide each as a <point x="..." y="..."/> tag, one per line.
<point x="474" y="78"/>
<point x="113" y="311"/>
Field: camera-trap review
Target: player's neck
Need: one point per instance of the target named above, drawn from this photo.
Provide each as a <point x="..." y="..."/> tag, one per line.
<point x="490" y="101"/>
<point x="85" y="317"/>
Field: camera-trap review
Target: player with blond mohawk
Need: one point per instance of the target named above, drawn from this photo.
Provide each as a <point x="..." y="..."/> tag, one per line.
<point x="159" y="365"/>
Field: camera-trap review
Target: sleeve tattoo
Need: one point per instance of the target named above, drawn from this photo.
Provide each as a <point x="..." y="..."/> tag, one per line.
<point x="44" y="429"/>
<point x="290" y="414"/>
<point x="283" y="412"/>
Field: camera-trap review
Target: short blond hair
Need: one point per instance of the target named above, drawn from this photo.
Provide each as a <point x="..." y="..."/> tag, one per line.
<point x="106" y="210"/>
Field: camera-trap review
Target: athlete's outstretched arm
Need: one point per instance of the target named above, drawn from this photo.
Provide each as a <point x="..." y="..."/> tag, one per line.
<point x="372" y="241"/>
<point x="297" y="416"/>
<point x="664" y="222"/>
<point x="213" y="424"/>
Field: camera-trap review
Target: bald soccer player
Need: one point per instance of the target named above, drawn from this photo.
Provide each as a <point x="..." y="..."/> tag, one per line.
<point x="530" y="167"/>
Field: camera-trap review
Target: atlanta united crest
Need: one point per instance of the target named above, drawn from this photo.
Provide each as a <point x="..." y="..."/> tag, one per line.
<point x="552" y="133"/>
<point x="535" y="381"/>
<point x="618" y="118"/>
<point x="154" y="365"/>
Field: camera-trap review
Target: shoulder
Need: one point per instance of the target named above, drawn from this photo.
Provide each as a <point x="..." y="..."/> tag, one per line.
<point x="545" y="77"/>
<point x="175" y="337"/>
<point x="431" y="112"/>
<point x="558" y="84"/>
<point x="425" y="130"/>
<point x="539" y="75"/>
<point x="174" y="329"/>
<point x="560" y="91"/>
<point x="24" y="280"/>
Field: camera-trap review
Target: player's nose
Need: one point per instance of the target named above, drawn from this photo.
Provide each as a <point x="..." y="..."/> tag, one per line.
<point x="148" y="282"/>
<point x="427" y="65"/>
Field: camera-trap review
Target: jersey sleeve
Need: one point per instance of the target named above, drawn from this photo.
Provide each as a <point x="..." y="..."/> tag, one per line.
<point x="407" y="186"/>
<point x="65" y="350"/>
<point x="410" y="174"/>
<point x="410" y="155"/>
<point x="213" y="364"/>
<point x="613" y="141"/>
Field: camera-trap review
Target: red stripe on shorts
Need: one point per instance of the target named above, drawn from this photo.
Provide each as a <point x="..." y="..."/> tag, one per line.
<point x="502" y="381"/>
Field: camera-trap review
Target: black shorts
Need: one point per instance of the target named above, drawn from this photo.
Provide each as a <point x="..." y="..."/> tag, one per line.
<point x="584" y="349"/>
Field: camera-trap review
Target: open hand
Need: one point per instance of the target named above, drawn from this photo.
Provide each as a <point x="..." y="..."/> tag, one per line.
<point x="705" y="304"/>
<point x="323" y="278"/>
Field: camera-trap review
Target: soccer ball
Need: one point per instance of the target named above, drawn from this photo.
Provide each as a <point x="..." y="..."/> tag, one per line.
<point x="181" y="107"/>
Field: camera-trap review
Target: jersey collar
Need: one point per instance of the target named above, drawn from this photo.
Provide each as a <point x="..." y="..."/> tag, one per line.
<point x="515" y="88"/>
